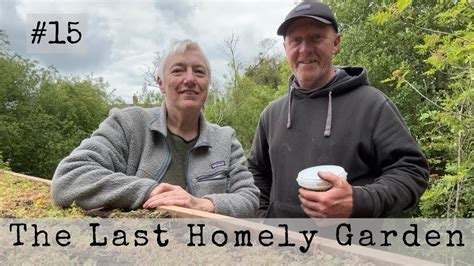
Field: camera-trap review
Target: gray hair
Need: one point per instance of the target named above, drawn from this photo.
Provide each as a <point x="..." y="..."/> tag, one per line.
<point x="180" y="46"/>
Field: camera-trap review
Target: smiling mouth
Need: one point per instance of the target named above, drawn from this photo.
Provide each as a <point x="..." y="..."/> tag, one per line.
<point x="307" y="62"/>
<point x="189" y="92"/>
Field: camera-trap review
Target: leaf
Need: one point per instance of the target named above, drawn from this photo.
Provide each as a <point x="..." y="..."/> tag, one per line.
<point x="381" y="17"/>
<point x="403" y="4"/>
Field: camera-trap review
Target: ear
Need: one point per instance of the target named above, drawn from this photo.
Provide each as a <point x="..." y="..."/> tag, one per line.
<point x="160" y="84"/>
<point x="337" y="43"/>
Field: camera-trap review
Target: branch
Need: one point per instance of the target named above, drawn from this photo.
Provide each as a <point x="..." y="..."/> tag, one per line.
<point x="436" y="31"/>
<point x="430" y="101"/>
<point x="421" y="94"/>
<point x="150" y="76"/>
<point x="469" y="4"/>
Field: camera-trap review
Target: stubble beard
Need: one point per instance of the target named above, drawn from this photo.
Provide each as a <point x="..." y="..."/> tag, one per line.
<point x="315" y="79"/>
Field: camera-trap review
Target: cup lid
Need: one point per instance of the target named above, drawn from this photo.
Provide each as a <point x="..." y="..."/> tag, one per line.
<point x="309" y="178"/>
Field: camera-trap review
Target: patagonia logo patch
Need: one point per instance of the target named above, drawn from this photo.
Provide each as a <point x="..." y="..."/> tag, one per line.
<point x="217" y="164"/>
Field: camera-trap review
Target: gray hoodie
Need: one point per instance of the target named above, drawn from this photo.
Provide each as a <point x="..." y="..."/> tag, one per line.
<point x="345" y="123"/>
<point x="123" y="160"/>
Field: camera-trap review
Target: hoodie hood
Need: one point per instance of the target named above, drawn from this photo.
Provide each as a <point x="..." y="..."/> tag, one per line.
<point x="346" y="79"/>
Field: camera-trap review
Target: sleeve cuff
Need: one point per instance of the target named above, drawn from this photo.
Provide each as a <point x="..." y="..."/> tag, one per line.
<point x="217" y="209"/>
<point x="362" y="203"/>
<point x="145" y="196"/>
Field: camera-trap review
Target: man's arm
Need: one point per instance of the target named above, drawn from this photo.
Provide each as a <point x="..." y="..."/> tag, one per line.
<point x="260" y="167"/>
<point x="403" y="169"/>
<point x="403" y="177"/>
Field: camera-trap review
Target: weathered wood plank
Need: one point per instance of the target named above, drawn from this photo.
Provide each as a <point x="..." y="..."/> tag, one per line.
<point x="34" y="178"/>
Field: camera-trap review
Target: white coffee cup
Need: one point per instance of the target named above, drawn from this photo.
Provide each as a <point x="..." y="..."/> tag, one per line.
<point x="309" y="178"/>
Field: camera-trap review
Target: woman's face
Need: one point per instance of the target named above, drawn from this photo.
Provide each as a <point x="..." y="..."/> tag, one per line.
<point x="185" y="81"/>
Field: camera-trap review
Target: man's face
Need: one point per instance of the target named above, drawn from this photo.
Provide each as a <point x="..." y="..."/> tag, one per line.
<point x="310" y="46"/>
<point x="185" y="81"/>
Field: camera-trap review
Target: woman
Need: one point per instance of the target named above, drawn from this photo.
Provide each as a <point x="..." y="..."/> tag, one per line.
<point x="162" y="156"/>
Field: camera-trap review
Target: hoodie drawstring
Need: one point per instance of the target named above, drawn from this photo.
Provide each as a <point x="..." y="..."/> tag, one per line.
<point x="291" y="87"/>
<point x="288" y="123"/>
<point x="327" y="130"/>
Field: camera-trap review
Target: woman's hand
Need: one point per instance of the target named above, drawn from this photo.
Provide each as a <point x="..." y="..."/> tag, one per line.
<point x="170" y="195"/>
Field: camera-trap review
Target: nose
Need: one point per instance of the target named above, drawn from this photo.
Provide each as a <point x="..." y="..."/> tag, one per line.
<point x="189" y="78"/>
<point x="305" y="47"/>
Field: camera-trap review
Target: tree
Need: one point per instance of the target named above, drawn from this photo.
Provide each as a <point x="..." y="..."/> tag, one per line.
<point x="4" y="44"/>
<point x="148" y="97"/>
<point x="5" y="165"/>
<point x="265" y="70"/>
<point x="447" y="49"/>
<point x="43" y="116"/>
<point x="229" y="48"/>
<point x="246" y="95"/>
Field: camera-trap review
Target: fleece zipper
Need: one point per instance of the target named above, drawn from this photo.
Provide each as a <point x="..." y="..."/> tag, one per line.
<point x="162" y="170"/>
<point x="216" y="176"/>
<point x="189" y="184"/>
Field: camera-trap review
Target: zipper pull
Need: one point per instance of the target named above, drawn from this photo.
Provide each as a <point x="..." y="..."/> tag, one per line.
<point x="227" y="184"/>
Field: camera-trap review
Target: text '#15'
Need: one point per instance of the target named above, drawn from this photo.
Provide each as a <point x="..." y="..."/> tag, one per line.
<point x="56" y="33"/>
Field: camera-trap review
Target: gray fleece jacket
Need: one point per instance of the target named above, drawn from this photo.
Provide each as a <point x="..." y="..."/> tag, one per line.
<point x="345" y="123"/>
<point x="125" y="158"/>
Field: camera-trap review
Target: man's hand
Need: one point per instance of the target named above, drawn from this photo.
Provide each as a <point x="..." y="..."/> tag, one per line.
<point x="334" y="203"/>
<point x="169" y="195"/>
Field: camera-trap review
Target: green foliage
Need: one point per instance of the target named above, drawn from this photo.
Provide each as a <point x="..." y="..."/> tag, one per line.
<point x="240" y="111"/>
<point x="449" y="196"/>
<point x="381" y="17"/>
<point x="265" y="72"/>
<point x="446" y="115"/>
<point x="148" y="98"/>
<point x="5" y="165"/>
<point x="43" y="116"/>
<point x="402" y="4"/>
<point x="240" y="107"/>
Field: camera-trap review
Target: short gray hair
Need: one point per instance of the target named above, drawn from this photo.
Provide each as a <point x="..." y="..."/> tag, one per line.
<point x="180" y="46"/>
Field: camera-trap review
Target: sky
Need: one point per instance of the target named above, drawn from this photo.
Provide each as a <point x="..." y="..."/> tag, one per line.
<point x="120" y="39"/>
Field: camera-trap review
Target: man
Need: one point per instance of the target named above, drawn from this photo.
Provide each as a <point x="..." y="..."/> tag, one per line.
<point x="332" y="117"/>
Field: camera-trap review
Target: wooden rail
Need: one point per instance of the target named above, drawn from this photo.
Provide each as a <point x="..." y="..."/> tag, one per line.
<point x="33" y="178"/>
<point x="325" y="245"/>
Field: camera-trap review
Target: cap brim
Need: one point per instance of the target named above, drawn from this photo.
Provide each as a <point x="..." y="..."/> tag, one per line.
<point x="282" y="29"/>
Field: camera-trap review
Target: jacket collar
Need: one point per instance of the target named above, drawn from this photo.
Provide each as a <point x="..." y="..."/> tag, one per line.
<point x="159" y="124"/>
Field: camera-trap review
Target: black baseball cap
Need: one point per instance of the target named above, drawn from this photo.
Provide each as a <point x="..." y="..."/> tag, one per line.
<point x="315" y="10"/>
